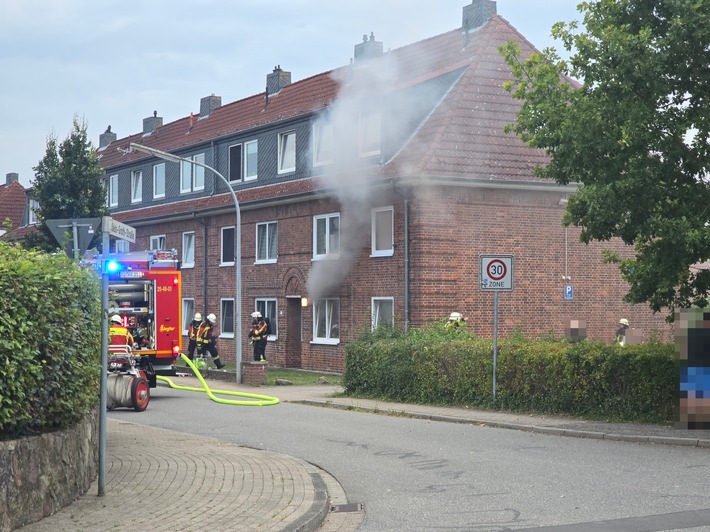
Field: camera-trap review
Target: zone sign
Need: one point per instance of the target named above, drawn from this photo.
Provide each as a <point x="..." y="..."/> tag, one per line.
<point x="495" y="272"/>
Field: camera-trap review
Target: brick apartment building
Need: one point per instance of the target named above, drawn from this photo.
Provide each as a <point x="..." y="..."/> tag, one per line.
<point x="13" y="206"/>
<point x="367" y="192"/>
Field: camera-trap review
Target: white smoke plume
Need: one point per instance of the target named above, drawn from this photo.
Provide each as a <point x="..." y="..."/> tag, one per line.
<point x="368" y="97"/>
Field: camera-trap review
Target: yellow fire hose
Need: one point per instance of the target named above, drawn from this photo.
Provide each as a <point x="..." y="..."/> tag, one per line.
<point x="263" y="400"/>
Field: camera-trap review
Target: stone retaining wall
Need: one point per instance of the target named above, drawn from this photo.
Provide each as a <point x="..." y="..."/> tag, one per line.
<point x="40" y="475"/>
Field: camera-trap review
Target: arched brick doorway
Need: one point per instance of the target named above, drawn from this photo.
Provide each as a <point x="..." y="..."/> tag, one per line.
<point x="294" y="289"/>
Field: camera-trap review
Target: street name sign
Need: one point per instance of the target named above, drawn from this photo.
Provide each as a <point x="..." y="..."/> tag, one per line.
<point x="119" y="230"/>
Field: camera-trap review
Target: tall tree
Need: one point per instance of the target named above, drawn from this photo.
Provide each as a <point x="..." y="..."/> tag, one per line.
<point x="67" y="184"/>
<point x="634" y="135"/>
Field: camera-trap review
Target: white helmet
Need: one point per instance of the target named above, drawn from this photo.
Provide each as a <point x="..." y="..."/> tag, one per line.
<point x="256" y="314"/>
<point x="624" y="321"/>
<point x="211" y="318"/>
<point x="455" y="316"/>
<point x="198" y="316"/>
<point x="116" y="319"/>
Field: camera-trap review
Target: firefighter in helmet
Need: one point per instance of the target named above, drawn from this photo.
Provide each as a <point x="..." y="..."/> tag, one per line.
<point x="621" y="331"/>
<point x="258" y="335"/>
<point x="455" y="320"/>
<point x="118" y="334"/>
<point x="207" y="340"/>
<point x="192" y="331"/>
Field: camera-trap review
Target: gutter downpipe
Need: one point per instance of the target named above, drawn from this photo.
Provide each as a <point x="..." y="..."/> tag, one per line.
<point x="204" y="261"/>
<point x="406" y="256"/>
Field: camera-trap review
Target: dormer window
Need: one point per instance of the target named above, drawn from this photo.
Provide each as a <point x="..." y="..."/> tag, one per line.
<point x="192" y="176"/>
<point x="287" y="152"/>
<point x="136" y="186"/>
<point x="370" y="134"/>
<point x="322" y="144"/>
<point x="32" y="212"/>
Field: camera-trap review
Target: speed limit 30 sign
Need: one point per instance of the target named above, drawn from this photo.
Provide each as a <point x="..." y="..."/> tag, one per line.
<point x="495" y="272"/>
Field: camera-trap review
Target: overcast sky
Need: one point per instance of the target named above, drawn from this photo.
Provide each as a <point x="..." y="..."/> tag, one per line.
<point x="116" y="61"/>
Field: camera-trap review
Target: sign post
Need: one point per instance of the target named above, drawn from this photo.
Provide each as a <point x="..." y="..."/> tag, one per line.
<point x="495" y="274"/>
<point x="109" y="227"/>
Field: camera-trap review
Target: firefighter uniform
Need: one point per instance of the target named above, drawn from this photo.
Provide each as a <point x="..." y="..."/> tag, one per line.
<point x="207" y="341"/>
<point x="118" y="334"/>
<point x="258" y="336"/>
<point x="192" y="331"/>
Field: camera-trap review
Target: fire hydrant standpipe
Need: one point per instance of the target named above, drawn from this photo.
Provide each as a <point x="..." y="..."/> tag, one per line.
<point x="257" y="400"/>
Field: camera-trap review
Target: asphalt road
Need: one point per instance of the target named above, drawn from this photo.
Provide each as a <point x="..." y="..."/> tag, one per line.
<point x="419" y="475"/>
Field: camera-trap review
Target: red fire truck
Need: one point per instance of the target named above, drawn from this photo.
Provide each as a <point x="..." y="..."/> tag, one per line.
<point x="145" y="290"/>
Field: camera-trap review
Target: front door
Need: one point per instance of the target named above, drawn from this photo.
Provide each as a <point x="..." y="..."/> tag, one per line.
<point x="294" y="334"/>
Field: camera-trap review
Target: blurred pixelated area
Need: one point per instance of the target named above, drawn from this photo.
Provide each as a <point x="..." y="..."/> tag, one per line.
<point x="576" y="331"/>
<point x="693" y="342"/>
<point x="634" y="336"/>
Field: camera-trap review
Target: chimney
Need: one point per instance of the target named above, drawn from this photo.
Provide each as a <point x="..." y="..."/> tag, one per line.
<point x="368" y="49"/>
<point x="277" y="80"/>
<point x="209" y="104"/>
<point x="477" y="14"/>
<point x="106" y="138"/>
<point x="11" y="177"/>
<point x="152" y="123"/>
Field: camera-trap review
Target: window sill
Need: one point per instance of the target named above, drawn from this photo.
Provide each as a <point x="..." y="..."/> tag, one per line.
<point x="326" y="341"/>
<point x="226" y="264"/>
<point x="187" y="265"/>
<point x="389" y="253"/>
<point x="227" y="335"/>
<point x="270" y="261"/>
<point x="332" y="256"/>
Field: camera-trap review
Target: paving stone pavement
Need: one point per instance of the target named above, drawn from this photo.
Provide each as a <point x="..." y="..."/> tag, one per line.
<point x="249" y="489"/>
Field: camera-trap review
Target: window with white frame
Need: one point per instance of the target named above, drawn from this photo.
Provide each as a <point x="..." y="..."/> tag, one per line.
<point x="326" y="236"/>
<point x="32" y="207"/>
<point x="157" y="242"/>
<point x="266" y="242"/>
<point x="382" y="232"/>
<point x="322" y="144"/>
<point x="287" y="152"/>
<point x="113" y="190"/>
<point x="326" y="321"/>
<point x="136" y="186"/>
<point x="123" y="246"/>
<point x="188" y="312"/>
<point x="226" y="309"/>
<point x="192" y="176"/>
<point x="370" y="133"/>
<point x="227" y="253"/>
<point x="188" y="249"/>
<point x="159" y="181"/>
<point x="251" y="158"/>
<point x="382" y="312"/>
<point x="268" y="309"/>
<point x="235" y="162"/>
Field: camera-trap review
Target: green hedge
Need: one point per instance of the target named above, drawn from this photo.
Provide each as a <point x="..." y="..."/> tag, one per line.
<point x="588" y="379"/>
<point x="50" y="331"/>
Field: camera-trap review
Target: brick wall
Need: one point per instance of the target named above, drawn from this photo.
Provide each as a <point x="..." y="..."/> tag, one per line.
<point x="449" y="228"/>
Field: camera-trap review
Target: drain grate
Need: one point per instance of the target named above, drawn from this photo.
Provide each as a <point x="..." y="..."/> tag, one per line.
<point x="351" y="507"/>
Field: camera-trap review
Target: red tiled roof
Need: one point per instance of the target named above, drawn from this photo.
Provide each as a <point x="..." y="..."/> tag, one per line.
<point x="464" y="135"/>
<point x="461" y="137"/>
<point x="12" y="204"/>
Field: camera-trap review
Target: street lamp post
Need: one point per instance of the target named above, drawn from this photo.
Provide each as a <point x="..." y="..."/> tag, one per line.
<point x="238" y="246"/>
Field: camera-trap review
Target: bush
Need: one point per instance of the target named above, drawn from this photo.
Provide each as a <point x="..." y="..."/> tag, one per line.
<point x="588" y="379"/>
<point x="51" y="341"/>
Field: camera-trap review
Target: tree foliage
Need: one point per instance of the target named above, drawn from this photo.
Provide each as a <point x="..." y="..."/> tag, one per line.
<point x="67" y="183"/>
<point x="634" y="135"/>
